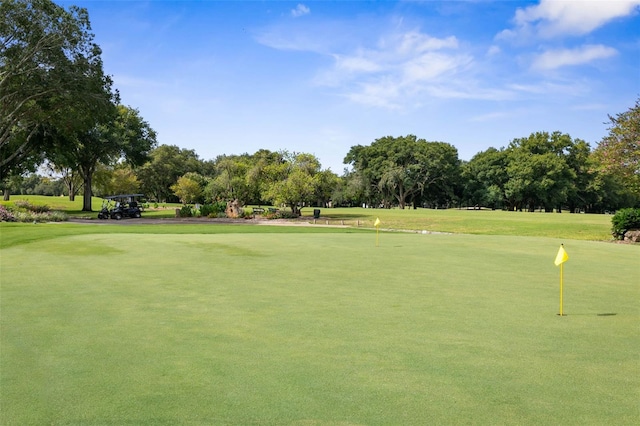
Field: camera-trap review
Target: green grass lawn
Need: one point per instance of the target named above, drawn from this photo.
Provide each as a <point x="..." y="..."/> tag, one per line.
<point x="209" y="324"/>
<point x="481" y="222"/>
<point x="74" y="208"/>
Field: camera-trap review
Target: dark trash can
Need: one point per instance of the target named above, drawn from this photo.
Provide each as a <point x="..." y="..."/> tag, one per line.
<point x="316" y="213"/>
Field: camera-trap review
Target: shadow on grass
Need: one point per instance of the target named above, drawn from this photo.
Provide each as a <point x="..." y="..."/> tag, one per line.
<point x="603" y="314"/>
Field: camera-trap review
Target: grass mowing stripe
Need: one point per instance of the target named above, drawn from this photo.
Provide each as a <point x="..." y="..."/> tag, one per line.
<point x="316" y="329"/>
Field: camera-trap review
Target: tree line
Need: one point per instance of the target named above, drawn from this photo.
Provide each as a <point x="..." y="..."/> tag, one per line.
<point x="56" y="102"/>
<point x="59" y="109"/>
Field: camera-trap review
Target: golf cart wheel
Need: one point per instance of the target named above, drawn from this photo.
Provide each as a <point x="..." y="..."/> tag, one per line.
<point x="117" y="216"/>
<point x="137" y="215"/>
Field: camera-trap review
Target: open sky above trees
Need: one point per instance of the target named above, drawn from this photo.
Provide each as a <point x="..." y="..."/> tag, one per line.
<point x="320" y="77"/>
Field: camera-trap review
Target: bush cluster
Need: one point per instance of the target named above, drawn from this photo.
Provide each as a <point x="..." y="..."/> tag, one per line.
<point x="213" y="210"/>
<point x="23" y="211"/>
<point x="54" y="216"/>
<point x="280" y="214"/>
<point x="185" y="211"/>
<point x="25" y="205"/>
<point x="624" y="220"/>
<point x="6" y="215"/>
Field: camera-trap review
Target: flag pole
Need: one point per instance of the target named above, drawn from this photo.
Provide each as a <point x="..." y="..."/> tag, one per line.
<point x="561" y="276"/>
<point x="561" y="257"/>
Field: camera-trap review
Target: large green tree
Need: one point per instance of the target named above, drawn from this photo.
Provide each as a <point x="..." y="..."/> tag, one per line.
<point x="258" y="177"/>
<point x="580" y="195"/>
<point x="113" y="180"/>
<point x="230" y="181"/>
<point x="351" y="190"/>
<point x="125" y="137"/>
<point x="51" y="80"/>
<point x="326" y="184"/>
<point x="188" y="188"/>
<point x="243" y="177"/>
<point x="538" y="171"/>
<point x="292" y="182"/>
<point x="618" y="154"/>
<point x="404" y="169"/>
<point x="165" y="165"/>
<point x="485" y="176"/>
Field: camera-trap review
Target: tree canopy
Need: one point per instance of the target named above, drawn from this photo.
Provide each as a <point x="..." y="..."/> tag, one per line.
<point x="293" y="181"/>
<point x="406" y="168"/>
<point x="51" y="80"/>
<point x="618" y="153"/>
<point x="165" y="165"/>
<point x="126" y="136"/>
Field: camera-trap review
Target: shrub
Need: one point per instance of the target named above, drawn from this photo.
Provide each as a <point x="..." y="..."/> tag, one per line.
<point x="280" y="214"/>
<point x="22" y="205"/>
<point x="219" y="215"/>
<point x="58" y="216"/>
<point x="286" y="214"/>
<point x="40" y="209"/>
<point x="185" y="211"/>
<point x="624" y="220"/>
<point x="25" y="205"/>
<point x="28" y="216"/>
<point x="212" y="210"/>
<point x="6" y="215"/>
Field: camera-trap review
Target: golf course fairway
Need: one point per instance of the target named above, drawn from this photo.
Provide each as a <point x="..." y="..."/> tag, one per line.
<point x="316" y="328"/>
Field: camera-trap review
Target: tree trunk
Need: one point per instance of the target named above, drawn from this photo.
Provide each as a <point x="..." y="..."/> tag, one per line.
<point x="86" y="199"/>
<point x="402" y="197"/>
<point x="72" y="191"/>
<point x="7" y="194"/>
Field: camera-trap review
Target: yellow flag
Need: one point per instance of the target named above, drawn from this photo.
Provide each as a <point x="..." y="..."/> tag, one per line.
<point x="561" y="257"/>
<point x="377" y="222"/>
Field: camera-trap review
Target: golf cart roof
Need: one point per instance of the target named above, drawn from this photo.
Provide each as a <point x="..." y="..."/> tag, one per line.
<point x="113" y="197"/>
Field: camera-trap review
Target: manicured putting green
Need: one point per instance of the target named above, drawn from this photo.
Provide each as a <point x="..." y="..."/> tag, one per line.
<point x="317" y="329"/>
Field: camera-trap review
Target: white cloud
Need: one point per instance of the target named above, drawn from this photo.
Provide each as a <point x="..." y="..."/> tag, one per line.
<point x="399" y="67"/>
<point x="416" y="42"/>
<point x="546" y="89"/>
<point x="430" y="66"/>
<point x="494" y="50"/>
<point x="383" y="92"/>
<point x="553" y="59"/>
<point x="300" y="10"/>
<point x="468" y="89"/>
<point x="356" y="63"/>
<point x="553" y="18"/>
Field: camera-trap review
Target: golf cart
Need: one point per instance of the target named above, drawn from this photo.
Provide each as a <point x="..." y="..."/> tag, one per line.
<point x="119" y="206"/>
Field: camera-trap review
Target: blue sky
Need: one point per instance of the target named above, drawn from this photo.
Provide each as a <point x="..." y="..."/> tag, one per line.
<point x="321" y="76"/>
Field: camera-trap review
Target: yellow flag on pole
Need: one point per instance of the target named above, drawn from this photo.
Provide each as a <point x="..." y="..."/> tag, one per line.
<point x="377" y="222"/>
<point x="561" y="257"/>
